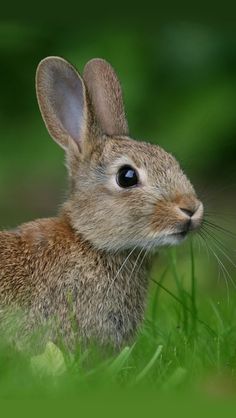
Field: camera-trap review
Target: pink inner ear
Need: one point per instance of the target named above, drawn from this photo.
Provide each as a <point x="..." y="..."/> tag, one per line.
<point x="68" y="102"/>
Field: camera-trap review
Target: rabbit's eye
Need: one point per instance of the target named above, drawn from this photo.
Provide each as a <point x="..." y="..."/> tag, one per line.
<point x="127" y="177"/>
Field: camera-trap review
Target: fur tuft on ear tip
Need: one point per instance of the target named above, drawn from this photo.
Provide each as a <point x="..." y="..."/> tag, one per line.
<point x="106" y="96"/>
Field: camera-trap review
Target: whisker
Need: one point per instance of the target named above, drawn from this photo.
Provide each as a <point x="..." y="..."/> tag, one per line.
<point x="218" y="227"/>
<point x="223" y="215"/>
<point x="214" y="232"/>
<point x="223" y="265"/>
<point x="220" y="244"/>
<point x="136" y="262"/>
<point x="197" y="238"/>
<point x="119" y="270"/>
<point x="209" y="249"/>
<point x="143" y="258"/>
<point x="131" y="273"/>
<point x="223" y="268"/>
<point x="134" y="266"/>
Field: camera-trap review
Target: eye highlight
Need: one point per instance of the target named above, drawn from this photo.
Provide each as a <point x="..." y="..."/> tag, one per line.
<point x="127" y="177"/>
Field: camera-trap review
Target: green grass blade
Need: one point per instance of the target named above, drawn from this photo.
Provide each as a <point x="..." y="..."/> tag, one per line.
<point x="155" y="300"/>
<point x="116" y="366"/>
<point x="176" y="379"/>
<point x="185" y="307"/>
<point x="150" y="364"/>
<point x="193" y="290"/>
<point x="180" y="289"/>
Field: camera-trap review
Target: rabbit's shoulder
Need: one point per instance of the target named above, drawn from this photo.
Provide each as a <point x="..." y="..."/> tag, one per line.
<point x="33" y="251"/>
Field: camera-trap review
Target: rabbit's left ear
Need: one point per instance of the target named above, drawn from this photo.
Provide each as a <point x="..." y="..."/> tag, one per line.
<point x="63" y="102"/>
<point x="106" y="96"/>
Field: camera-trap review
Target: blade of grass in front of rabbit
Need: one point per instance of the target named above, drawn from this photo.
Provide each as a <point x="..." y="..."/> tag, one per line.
<point x="155" y="301"/>
<point x="183" y="306"/>
<point x="181" y="290"/>
<point x="193" y="290"/>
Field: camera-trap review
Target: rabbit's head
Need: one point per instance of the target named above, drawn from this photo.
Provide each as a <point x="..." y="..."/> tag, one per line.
<point x="124" y="193"/>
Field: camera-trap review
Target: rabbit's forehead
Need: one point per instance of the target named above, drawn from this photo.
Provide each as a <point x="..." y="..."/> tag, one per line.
<point x="155" y="166"/>
<point x="147" y="157"/>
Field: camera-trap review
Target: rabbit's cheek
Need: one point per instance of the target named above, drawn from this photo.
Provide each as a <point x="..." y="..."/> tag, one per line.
<point x="163" y="217"/>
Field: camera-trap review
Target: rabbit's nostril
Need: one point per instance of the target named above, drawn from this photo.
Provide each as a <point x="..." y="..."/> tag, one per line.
<point x="188" y="212"/>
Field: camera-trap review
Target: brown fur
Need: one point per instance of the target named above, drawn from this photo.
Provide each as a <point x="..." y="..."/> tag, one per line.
<point x="83" y="274"/>
<point x="49" y="272"/>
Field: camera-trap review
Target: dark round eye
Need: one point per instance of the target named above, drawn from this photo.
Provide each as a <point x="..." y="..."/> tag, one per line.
<point x="127" y="177"/>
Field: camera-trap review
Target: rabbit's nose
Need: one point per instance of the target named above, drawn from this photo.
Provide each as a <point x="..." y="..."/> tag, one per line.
<point x="191" y="207"/>
<point x="188" y="212"/>
<point x="194" y="214"/>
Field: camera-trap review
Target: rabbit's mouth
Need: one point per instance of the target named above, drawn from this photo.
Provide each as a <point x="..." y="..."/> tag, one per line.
<point x="168" y="239"/>
<point x="180" y="235"/>
<point x="188" y="228"/>
<point x="176" y="237"/>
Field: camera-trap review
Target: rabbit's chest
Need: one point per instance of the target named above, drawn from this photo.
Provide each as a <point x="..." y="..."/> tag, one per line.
<point x="98" y="304"/>
<point x="110" y="308"/>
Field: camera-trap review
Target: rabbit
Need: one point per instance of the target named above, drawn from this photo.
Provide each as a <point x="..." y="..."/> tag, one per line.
<point x="83" y="275"/>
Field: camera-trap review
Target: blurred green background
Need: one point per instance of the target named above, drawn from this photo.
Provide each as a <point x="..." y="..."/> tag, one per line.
<point x="179" y="82"/>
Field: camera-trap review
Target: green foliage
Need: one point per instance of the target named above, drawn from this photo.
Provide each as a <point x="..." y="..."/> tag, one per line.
<point x="185" y="345"/>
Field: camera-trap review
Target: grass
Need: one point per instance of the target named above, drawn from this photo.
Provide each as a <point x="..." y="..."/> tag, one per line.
<point x="187" y="343"/>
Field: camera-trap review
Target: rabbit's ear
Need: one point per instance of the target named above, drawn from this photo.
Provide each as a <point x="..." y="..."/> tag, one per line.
<point x="62" y="100"/>
<point x="106" y="96"/>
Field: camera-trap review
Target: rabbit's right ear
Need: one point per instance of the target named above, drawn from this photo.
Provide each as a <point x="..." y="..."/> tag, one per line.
<point x="106" y="97"/>
<point x="62" y="100"/>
